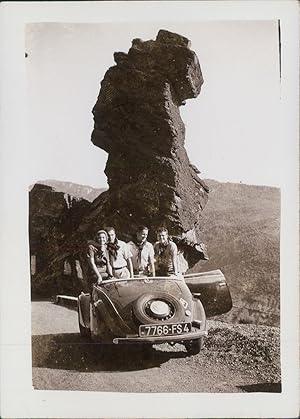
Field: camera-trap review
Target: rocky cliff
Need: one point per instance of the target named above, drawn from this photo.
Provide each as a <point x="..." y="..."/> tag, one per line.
<point x="53" y="216"/>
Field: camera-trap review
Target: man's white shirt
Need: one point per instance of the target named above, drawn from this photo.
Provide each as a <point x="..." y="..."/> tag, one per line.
<point x="146" y="255"/>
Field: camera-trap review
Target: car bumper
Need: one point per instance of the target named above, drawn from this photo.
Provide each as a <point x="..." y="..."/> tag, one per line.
<point x="160" y="339"/>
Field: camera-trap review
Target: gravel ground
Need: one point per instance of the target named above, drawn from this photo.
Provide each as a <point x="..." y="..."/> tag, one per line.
<point x="249" y="347"/>
<point x="235" y="358"/>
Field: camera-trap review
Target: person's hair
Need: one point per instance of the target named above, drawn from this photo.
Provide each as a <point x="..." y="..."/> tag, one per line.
<point x="141" y="228"/>
<point x="162" y="230"/>
<point x="107" y="229"/>
<point x="103" y="232"/>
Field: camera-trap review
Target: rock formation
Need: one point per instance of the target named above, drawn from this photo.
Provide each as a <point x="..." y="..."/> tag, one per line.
<point x="137" y="122"/>
<point x="53" y="216"/>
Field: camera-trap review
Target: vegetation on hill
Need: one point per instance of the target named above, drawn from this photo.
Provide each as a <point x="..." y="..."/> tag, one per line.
<point x="241" y="227"/>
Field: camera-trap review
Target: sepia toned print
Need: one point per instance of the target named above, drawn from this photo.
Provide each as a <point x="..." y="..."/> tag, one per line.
<point x="212" y="317"/>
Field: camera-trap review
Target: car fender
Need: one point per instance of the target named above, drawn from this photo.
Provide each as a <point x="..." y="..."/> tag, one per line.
<point x="199" y="315"/>
<point x="106" y="313"/>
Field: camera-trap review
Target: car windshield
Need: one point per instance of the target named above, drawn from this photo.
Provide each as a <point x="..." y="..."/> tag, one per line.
<point x="143" y="279"/>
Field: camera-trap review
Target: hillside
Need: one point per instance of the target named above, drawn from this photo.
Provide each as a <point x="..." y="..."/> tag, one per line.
<point x="241" y="227"/>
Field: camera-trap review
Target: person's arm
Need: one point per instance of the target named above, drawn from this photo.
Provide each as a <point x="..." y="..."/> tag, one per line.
<point x="91" y="259"/>
<point x="128" y="255"/>
<point x="92" y="246"/>
<point x="174" y="257"/>
<point x="109" y="268"/>
<point x="152" y="260"/>
<point x="155" y="260"/>
<point x="130" y="267"/>
<point x="152" y="267"/>
<point x="108" y="265"/>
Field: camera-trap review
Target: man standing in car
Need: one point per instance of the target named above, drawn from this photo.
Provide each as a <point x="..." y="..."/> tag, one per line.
<point x="166" y="253"/>
<point x="142" y="253"/>
<point x="120" y="255"/>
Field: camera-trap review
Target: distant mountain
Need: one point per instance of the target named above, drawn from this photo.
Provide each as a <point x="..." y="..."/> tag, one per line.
<point x="74" y="189"/>
<point x="241" y="227"/>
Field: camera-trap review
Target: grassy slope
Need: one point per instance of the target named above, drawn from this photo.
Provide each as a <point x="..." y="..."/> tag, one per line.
<point x="241" y="227"/>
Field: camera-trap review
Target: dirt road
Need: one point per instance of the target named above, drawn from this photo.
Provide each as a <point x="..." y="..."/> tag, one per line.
<point x="236" y="358"/>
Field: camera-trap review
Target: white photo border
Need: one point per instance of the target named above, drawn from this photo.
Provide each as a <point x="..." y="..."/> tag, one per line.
<point x="18" y="398"/>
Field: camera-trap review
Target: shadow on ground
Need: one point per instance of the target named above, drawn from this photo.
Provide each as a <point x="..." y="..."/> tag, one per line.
<point x="262" y="388"/>
<point x="67" y="351"/>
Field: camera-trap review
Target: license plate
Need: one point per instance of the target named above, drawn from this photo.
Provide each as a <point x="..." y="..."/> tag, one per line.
<point x="169" y="329"/>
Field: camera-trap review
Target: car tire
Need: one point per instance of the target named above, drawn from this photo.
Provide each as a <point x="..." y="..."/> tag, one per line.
<point x="143" y="318"/>
<point x="194" y="346"/>
<point x="143" y="348"/>
<point x="84" y="332"/>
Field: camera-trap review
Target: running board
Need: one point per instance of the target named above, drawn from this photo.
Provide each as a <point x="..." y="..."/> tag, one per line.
<point x="66" y="300"/>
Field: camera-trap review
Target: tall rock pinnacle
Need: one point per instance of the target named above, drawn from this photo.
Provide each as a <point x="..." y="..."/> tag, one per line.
<point x="138" y="123"/>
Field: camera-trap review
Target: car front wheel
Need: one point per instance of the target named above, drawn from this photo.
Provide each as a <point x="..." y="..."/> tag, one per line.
<point x="85" y="332"/>
<point x="194" y="346"/>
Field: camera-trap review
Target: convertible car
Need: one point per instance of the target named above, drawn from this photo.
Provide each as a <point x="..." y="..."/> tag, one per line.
<point x="151" y="310"/>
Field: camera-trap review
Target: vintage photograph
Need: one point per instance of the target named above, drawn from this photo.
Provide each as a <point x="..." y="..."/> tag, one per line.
<point x="155" y="205"/>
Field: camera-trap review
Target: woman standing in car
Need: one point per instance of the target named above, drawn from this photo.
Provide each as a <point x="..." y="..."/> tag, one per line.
<point x="98" y="257"/>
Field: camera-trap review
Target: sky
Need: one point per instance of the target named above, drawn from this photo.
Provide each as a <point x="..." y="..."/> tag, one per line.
<point x="233" y="128"/>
